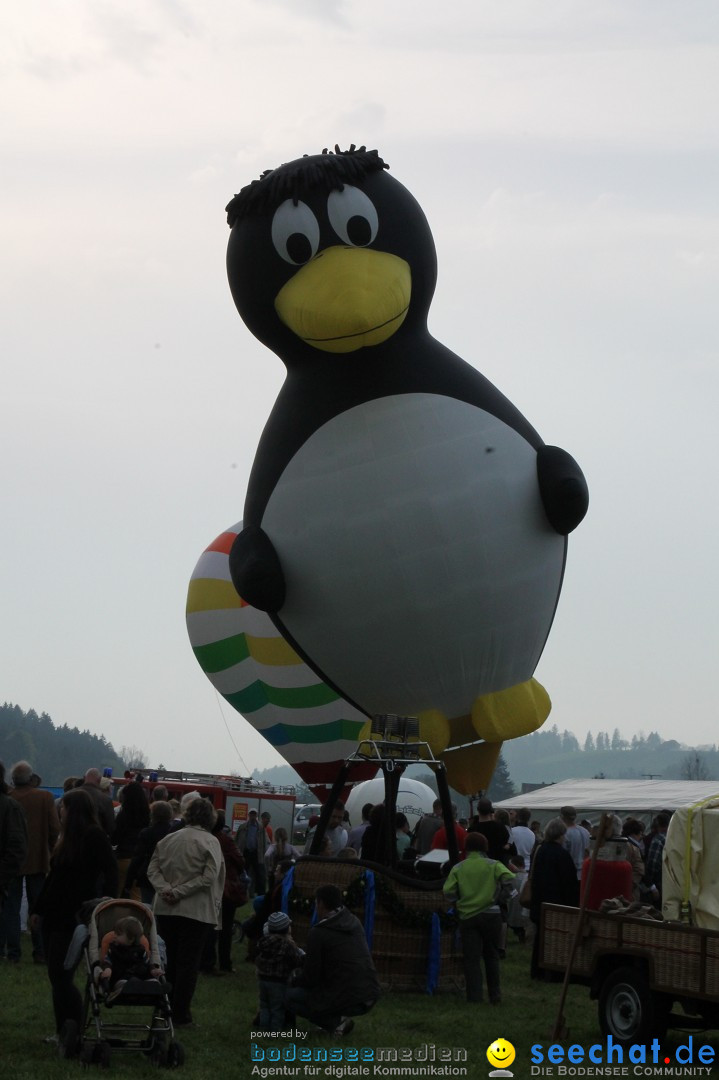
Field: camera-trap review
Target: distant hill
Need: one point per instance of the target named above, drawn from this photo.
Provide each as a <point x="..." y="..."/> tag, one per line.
<point x="549" y="755"/>
<point x="54" y="752"/>
<point x="545" y="756"/>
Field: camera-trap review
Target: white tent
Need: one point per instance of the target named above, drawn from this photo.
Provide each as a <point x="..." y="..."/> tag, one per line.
<point x="638" y="798"/>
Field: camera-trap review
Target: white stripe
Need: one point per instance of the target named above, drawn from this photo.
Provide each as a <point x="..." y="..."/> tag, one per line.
<point x="206" y="627"/>
<point x="316" y="752"/>
<point x="248" y="671"/>
<point x="269" y="715"/>
<point x="214" y="565"/>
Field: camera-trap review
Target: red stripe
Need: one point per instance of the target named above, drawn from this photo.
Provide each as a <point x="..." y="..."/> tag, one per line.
<point x="223" y="543"/>
<point x="324" y="774"/>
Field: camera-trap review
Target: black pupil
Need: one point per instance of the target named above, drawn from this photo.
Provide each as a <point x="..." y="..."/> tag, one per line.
<point x="299" y="247"/>
<point x="359" y="230"/>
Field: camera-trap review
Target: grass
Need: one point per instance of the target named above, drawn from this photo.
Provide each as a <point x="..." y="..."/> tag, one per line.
<point x="219" y="1048"/>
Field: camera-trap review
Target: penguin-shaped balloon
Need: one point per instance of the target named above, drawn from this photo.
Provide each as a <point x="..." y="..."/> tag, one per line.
<point x="405" y="526"/>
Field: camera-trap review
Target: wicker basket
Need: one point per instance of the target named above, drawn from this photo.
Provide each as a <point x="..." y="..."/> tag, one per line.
<point x="682" y="959"/>
<point x="402" y="920"/>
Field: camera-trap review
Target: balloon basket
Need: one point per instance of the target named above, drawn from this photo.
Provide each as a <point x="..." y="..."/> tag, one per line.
<point x="414" y="941"/>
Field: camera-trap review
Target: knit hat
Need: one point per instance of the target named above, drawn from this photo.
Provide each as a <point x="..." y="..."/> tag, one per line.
<point x="278" y="923"/>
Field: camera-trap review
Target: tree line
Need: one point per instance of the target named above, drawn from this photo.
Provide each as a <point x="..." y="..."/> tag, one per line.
<point x="545" y="756"/>
<point x="550" y="755"/>
<point x="53" y="751"/>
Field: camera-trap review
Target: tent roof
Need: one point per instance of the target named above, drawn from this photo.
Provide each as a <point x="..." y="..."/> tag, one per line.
<point x="593" y="796"/>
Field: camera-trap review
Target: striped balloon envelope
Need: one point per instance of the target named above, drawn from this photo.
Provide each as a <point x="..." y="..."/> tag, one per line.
<point x="252" y="666"/>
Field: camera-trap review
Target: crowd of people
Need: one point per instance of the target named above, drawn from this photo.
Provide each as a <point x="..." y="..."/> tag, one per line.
<point x="182" y="859"/>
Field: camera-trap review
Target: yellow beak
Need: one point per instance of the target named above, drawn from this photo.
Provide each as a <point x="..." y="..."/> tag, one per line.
<point x="346" y="298"/>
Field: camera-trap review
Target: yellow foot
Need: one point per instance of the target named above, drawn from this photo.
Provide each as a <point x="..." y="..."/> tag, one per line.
<point x="509" y="713"/>
<point x="470" y="769"/>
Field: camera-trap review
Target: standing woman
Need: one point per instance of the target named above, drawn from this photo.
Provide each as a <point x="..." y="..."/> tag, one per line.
<point x="276" y="852"/>
<point x="82" y="867"/>
<point x="634" y="830"/>
<point x="132" y="817"/>
<point x="234" y="895"/>
<point x="147" y="841"/>
<point x="187" y="872"/>
<point x="554" y="881"/>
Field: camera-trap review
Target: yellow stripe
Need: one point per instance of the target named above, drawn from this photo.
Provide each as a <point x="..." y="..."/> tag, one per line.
<point x="208" y="594"/>
<point x="273" y="651"/>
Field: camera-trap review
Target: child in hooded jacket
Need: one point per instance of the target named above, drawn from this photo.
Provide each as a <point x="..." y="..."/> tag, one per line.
<point x="276" y="957"/>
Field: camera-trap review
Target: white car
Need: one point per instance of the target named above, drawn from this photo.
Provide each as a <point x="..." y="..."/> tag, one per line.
<point x="302" y="819"/>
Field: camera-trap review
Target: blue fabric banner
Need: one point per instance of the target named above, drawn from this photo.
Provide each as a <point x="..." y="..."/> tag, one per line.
<point x="435" y="935"/>
<point x="287" y="883"/>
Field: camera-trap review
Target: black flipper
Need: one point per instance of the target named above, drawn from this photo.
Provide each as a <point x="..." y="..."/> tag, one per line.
<point x="563" y="488"/>
<point x="256" y="571"/>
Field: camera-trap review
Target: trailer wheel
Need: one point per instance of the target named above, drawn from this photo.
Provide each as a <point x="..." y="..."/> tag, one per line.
<point x="629" y="1010"/>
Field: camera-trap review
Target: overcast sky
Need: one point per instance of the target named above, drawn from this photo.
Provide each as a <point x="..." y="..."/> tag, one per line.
<point x="566" y="156"/>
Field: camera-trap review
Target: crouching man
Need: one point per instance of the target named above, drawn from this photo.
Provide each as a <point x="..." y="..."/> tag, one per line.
<point x="337" y="979"/>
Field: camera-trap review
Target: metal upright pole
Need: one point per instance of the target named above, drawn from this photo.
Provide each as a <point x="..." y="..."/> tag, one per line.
<point x="448" y="816"/>
<point x="388" y="840"/>
<point x="328" y="807"/>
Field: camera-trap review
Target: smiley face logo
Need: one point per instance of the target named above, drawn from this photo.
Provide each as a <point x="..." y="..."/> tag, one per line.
<point x="501" y="1054"/>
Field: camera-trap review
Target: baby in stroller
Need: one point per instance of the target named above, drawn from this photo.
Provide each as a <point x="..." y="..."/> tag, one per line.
<point x="123" y="958"/>
<point x="124" y="954"/>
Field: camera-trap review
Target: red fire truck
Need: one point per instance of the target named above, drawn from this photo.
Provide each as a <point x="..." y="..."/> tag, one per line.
<point x="235" y="795"/>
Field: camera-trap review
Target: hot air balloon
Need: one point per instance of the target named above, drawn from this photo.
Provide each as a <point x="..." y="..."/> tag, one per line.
<point x="262" y="677"/>
<point x="405" y="527"/>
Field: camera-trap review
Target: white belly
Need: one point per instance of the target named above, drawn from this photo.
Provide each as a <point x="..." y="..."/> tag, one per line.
<point x="421" y="570"/>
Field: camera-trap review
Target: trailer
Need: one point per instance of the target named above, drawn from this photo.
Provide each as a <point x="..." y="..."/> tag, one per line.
<point x="641" y="971"/>
<point x="235" y="795"/>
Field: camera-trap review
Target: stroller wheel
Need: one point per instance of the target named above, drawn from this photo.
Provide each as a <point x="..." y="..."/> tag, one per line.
<point x="87" y="1054"/>
<point x="158" y="1054"/>
<point x="69" y="1040"/>
<point x="175" y="1055"/>
<point x="102" y="1054"/>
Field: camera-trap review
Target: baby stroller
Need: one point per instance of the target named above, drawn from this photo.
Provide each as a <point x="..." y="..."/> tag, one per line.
<point x="102" y="1033"/>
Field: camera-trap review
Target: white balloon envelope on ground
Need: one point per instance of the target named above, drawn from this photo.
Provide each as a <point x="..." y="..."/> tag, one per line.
<point x="414" y="799"/>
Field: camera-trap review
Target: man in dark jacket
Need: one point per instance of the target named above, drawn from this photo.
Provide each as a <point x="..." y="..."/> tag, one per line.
<point x="103" y="803"/>
<point x="43" y="829"/>
<point x="337" y="979"/>
<point x="13" y="837"/>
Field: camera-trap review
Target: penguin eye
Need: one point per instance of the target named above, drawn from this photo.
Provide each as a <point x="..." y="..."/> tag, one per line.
<point x="352" y="216"/>
<point x="295" y="232"/>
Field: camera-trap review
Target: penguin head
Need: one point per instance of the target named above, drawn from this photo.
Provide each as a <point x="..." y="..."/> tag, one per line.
<point x="328" y="255"/>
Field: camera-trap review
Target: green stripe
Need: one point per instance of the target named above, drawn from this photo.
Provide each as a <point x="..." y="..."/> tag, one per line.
<point x="258" y="693"/>
<point x="282" y="734"/>
<point x="219" y="655"/>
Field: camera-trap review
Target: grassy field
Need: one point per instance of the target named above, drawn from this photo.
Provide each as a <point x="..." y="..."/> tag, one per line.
<point x="219" y="1047"/>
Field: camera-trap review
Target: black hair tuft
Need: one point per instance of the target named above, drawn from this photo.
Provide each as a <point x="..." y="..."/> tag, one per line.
<point x="328" y="171"/>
